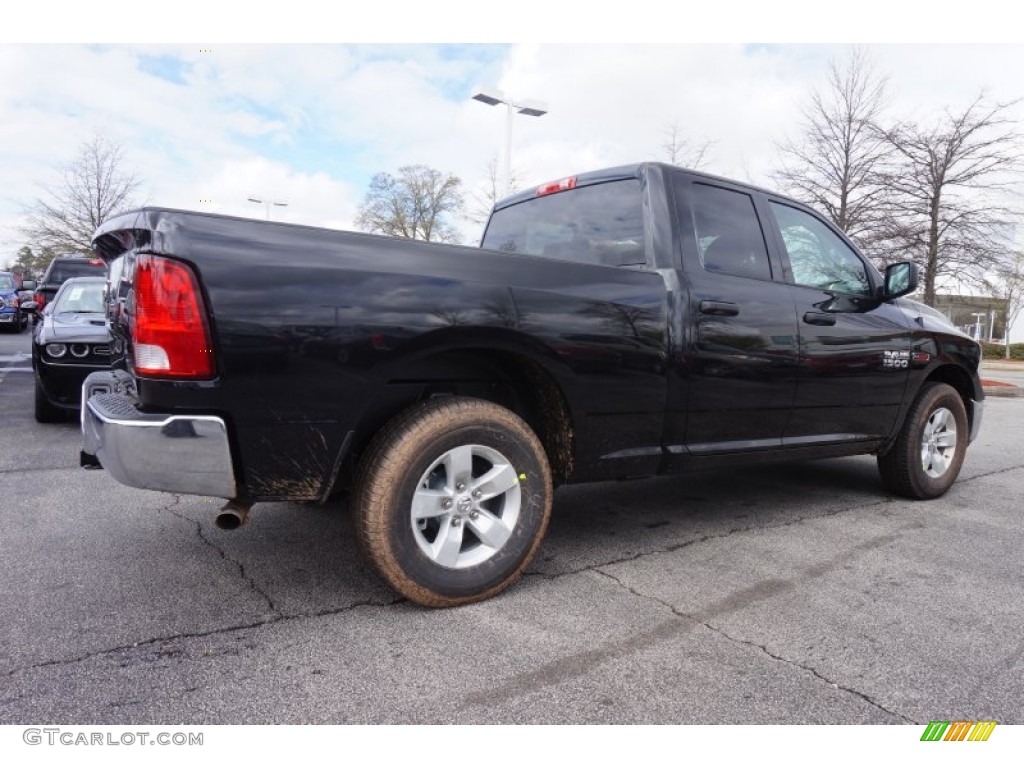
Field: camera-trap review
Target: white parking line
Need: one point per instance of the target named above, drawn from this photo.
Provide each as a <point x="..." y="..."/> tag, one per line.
<point x="11" y="367"/>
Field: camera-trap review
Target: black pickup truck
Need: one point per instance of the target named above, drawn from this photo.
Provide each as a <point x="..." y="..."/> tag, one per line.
<point x="623" y="323"/>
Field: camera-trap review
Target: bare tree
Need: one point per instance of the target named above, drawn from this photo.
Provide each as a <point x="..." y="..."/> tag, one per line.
<point x="490" y="191"/>
<point x="836" y="164"/>
<point x="1007" y="284"/>
<point x="945" y="180"/>
<point x="623" y="320"/>
<point x="681" y="151"/>
<point x="504" y="312"/>
<point x="416" y="203"/>
<point x="95" y="187"/>
<point x="450" y="316"/>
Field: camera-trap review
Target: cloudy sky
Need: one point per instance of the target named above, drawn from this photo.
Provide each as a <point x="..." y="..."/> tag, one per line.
<point x="311" y="123"/>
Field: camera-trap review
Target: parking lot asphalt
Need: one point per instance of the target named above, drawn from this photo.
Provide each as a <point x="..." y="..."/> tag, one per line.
<point x="801" y="593"/>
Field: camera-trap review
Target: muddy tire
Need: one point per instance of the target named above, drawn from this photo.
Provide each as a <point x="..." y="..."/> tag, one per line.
<point x="929" y="451"/>
<point x="452" y="500"/>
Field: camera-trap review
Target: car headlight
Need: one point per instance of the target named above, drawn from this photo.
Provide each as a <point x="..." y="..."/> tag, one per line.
<point x="56" y="350"/>
<point x="10" y="302"/>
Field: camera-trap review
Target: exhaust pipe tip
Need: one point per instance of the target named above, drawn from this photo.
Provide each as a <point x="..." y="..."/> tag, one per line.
<point x="228" y="521"/>
<point x="232" y="516"/>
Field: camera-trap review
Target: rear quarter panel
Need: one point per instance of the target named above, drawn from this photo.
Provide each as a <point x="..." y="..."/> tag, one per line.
<point x="313" y="326"/>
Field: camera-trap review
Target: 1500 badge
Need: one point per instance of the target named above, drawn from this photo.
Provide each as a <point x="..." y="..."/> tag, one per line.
<point x="896" y="358"/>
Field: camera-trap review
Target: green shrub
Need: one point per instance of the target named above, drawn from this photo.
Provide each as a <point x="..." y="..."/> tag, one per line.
<point x="998" y="351"/>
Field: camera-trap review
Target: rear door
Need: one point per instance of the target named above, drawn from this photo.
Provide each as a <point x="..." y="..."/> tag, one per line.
<point x="740" y="361"/>
<point x="854" y="349"/>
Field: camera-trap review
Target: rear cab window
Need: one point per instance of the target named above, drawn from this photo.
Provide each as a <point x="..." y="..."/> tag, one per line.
<point x="65" y="270"/>
<point x="600" y="224"/>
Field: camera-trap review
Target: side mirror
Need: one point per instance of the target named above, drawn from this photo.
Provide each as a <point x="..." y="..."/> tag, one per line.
<point x="900" y="279"/>
<point x="28" y="285"/>
<point x="29" y="306"/>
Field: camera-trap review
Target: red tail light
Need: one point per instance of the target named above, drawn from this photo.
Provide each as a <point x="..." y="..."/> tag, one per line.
<point x="40" y="301"/>
<point x="169" y="329"/>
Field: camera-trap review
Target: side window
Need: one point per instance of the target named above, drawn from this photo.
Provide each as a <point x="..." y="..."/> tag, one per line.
<point x="728" y="233"/>
<point x="818" y="257"/>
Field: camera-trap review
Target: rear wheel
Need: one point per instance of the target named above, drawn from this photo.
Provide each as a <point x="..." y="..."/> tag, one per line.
<point x="452" y="501"/>
<point x="927" y="456"/>
<point x="45" y="411"/>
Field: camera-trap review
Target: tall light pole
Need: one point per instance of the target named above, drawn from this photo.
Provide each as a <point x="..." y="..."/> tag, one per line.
<point x="268" y="203"/>
<point x="531" y="108"/>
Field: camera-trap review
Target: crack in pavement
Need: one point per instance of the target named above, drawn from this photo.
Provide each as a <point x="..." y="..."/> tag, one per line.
<point x="972" y="478"/>
<point x="743" y="529"/>
<point x="752" y="644"/>
<point x="582" y="663"/>
<point x="708" y="537"/>
<point x="37" y="469"/>
<point x="276" y="615"/>
<point x="278" y="619"/>
<point x="224" y="555"/>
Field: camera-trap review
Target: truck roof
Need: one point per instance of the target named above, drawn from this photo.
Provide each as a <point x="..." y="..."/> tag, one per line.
<point x="631" y="171"/>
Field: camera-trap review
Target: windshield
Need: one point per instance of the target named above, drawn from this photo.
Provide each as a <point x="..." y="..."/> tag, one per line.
<point x="6" y="282"/>
<point x="85" y="297"/>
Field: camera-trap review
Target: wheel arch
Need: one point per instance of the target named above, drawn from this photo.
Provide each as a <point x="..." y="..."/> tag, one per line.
<point x="505" y="368"/>
<point x="960" y="380"/>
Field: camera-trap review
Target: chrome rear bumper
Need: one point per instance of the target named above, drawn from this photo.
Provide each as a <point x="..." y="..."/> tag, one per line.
<point x="159" y="452"/>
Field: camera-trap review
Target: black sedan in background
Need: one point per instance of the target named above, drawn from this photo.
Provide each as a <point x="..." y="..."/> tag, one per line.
<point x="69" y="341"/>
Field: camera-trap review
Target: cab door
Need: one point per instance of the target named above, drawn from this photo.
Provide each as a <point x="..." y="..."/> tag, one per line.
<point x="854" y="348"/>
<point x="739" y="363"/>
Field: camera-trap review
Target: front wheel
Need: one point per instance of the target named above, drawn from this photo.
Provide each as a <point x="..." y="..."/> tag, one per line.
<point x="452" y="501"/>
<point x="929" y="451"/>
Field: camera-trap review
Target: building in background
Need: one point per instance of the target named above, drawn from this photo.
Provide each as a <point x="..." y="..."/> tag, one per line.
<point x="982" y="317"/>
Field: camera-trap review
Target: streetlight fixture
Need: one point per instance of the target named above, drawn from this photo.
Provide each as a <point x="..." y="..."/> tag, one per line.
<point x="268" y="203"/>
<point x="529" y="108"/>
